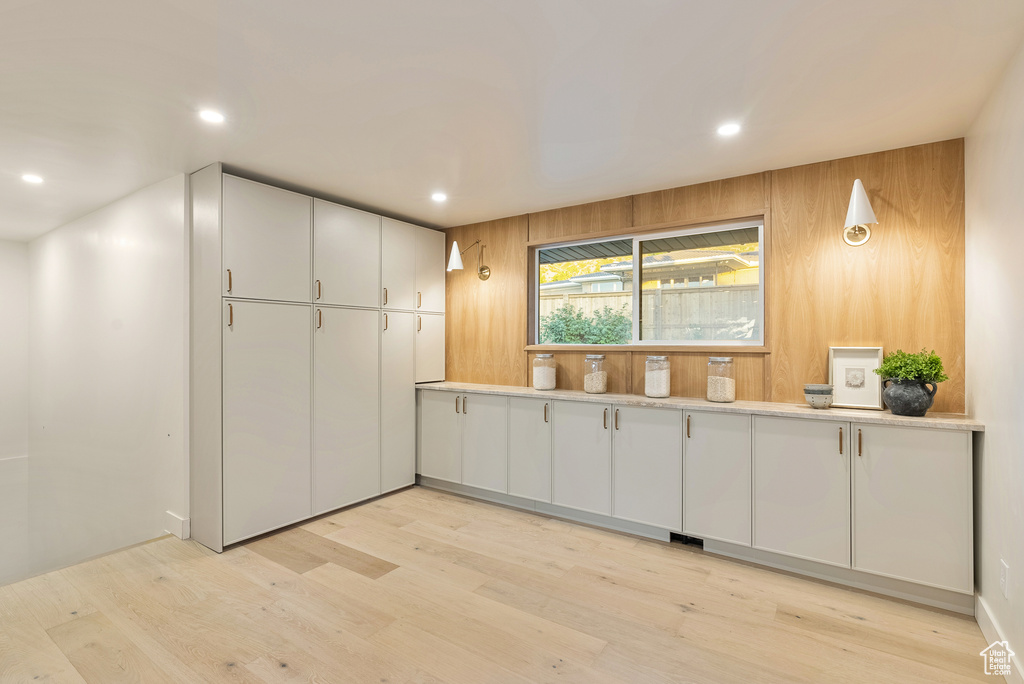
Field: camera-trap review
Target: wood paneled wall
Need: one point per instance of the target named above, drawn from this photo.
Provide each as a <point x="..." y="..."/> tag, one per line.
<point x="903" y="289"/>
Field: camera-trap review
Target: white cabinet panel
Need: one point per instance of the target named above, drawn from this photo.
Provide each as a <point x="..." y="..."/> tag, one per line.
<point x="346" y="398"/>
<point x="397" y="402"/>
<point x="913" y="505"/>
<point x="716" y="476"/>
<point x="346" y="256"/>
<point x="802" y="488"/>
<point x="529" y="448"/>
<point x="267" y="413"/>
<point x="485" y="441"/>
<point x="581" y="456"/>
<point x="398" y="264"/>
<point x="429" y="347"/>
<point x="267" y="237"/>
<point x="430" y="270"/>
<point x="439" y="450"/>
<point x="647" y="466"/>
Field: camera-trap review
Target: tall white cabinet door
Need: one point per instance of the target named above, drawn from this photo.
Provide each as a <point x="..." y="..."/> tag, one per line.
<point x="716" y="476"/>
<point x="429" y="347"/>
<point x="398" y="264"/>
<point x="346" y="256"/>
<point x="581" y="456"/>
<point x="802" y="488"/>
<point x="267" y="238"/>
<point x="647" y="466"/>
<point x="485" y="441"/>
<point x="529" y="448"/>
<point x="266" y="364"/>
<point x="430" y="270"/>
<point x="912" y="505"/>
<point x="397" y="402"/>
<point x="439" y="448"/>
<point x="346" y="405"/>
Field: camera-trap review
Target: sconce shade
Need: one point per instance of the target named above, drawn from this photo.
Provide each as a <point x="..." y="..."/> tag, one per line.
<point x="455" y="260"/>
<point x="860" y="212"/>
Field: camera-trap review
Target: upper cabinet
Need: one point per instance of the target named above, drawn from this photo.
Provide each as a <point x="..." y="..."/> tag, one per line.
<point x="346" y="256"/>
<point x="398" y="264"/>
<point x="267" y="242"/>
<point x="430" y="271"/>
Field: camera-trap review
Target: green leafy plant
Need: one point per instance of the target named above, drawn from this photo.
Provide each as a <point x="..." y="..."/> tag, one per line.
<point x="925" y="366"/>
<point x="569" y="325"/>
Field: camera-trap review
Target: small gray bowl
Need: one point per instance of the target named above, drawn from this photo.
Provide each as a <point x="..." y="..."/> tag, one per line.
<point x="819" y="401"/>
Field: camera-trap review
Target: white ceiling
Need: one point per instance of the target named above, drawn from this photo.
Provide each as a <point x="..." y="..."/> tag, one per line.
<point x="507" y="105"/>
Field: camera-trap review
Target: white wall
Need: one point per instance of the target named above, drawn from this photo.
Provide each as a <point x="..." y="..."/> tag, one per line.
<point x="13" y="408"/>
<point x="995" y="331"/>
<point x="107" y="377"/>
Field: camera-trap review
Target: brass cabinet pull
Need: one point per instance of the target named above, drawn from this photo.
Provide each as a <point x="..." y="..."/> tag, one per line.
<point x="319" y="318"/>
<point x="419" y="324"/>
<point x="687" y="427"/>
<point x="457" y="403"/>
<point x="319" y="290"/>
<point x="840" y="441"/>
<point x="545" y="413"/>
<point x="385" y="296"/>
<point x="616" y="419"/>
<point x="385" y="321"/>
<point x="229" y="280"/>
<point x="860" y="443"/>
<point x="231" y="315"/>
<point x="419" y="299"/>
<point x="465" y="402"/>
<point x="606" y="419"/>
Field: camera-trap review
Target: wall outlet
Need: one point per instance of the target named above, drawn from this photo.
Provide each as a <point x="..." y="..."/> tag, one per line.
<point x="1004" y="570"/>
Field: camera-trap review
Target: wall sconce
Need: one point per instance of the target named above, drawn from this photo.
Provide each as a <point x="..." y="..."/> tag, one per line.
<point x="858" y="217"/>
<point x="455" y="261"/>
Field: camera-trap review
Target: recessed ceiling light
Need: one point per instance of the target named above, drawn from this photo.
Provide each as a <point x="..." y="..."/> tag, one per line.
<point x="439" y="197"/>
<point x="729" y="129"/>
<point x="211" y="116"/>
<point x="31" y="178"/>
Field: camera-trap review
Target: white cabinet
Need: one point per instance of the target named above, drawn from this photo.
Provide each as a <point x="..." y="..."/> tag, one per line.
<point x="397" y="402"/>
<point x="802" y="488"/>
<point x="346" y="407"/>
<point x="485" y="441"/>
<point x="429" y="347"/>
<point x="581" y="456"/>
<point x="346" y="256"/>
<point x="439" y="451"/>
<point x="267" y="235"/>
<point x="912" y="505"/>
<point x="430" y="270"/>
<point x="398" y="264"/>
<point x="716" y="476"/>
<point x="266" y="417"/>
<point x="647" y="466"/>
<point x="529" y="448"/>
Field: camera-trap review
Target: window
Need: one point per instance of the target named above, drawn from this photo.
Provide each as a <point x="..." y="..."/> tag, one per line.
<point x="697" y="286"/>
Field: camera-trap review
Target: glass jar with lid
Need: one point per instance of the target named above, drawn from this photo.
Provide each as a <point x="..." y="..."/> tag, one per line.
<point x="721" y="379"/>
<point x="657" y="377"/>
<point x="595" y="378"/>
<point x="544" y="372"/>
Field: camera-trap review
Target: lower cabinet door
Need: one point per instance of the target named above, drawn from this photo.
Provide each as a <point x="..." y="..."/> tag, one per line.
<point x="439" y="450"/>
<point x="581" y="456"/>
<point x="267" y="413"/>
<point x="802" y="488"/>
<point x="716" y="476"/>
<point x="397" y="402"/>
<point x="485" y="441"/>
<point x="912" y="505"/>
<point x="529" y="448"/>
<point x="346" y="411"/>
<point x="647" y="466"/>
<point x="429" y="347"/>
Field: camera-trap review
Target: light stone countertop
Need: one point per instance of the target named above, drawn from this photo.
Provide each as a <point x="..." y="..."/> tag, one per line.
<point x="936" y="421"/>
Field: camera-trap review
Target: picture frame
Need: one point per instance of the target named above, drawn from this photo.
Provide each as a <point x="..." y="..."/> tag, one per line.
<point x="854" y="382"/>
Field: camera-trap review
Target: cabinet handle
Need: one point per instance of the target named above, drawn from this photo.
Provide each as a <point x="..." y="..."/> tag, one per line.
<point x="419" y="324"/>
<point x="319" y="290"/>
<point x="606" y="419"/>
<point x="687" y="427"/>
<point x="419" y="299"/>
<point x="385" y="321"/>
<point x="840" y="441"/>
<point x="860" y="443"/>
<point x="231" y="315"/>
<point x="465" y="402"/>
<point x="616" y="419"/>
<point x="319" y="318"/>
<point x="385" y="296"/>
<point x="457" y="403"/>
<point x="229" y="280"/>
<point x="545" y="413"/>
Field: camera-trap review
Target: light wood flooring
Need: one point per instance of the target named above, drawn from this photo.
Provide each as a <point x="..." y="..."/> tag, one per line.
<point x="423" y="587"/>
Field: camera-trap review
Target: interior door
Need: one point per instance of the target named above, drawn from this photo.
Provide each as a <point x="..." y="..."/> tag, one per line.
<point x="346" y="407"/>
<point x="267" y="412"/>
<point x="430" y="270"/>
<point x="346" y="256"/>
<point x="398" y="264"/>
<point x="429" y="347"/>
<point x="397" y="402"/>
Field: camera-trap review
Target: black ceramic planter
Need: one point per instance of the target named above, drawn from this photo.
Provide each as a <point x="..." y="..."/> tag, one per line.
<point x="908" y="397"/>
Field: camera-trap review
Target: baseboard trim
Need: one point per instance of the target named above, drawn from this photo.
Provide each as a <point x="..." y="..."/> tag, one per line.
<point x="176" y="525"/>
<point x="990" y="629"/>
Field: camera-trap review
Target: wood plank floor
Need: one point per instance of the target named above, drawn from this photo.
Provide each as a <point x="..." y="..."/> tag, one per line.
<point x="424" y="587"/>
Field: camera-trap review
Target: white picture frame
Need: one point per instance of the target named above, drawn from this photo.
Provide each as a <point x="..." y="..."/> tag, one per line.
<point x="851" y="372"/>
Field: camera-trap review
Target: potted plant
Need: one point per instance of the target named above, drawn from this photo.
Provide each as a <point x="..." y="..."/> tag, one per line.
<point x="906" y="378"/>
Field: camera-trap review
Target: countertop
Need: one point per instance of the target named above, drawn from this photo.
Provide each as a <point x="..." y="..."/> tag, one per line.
<point x="935" y="421"/>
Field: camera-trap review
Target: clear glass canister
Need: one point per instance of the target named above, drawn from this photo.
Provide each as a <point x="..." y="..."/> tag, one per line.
<point x="721" y="379"/>
<point x="595" y="378"/>
<point x="544" y="372"/>
<point x="656" y="376"/>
